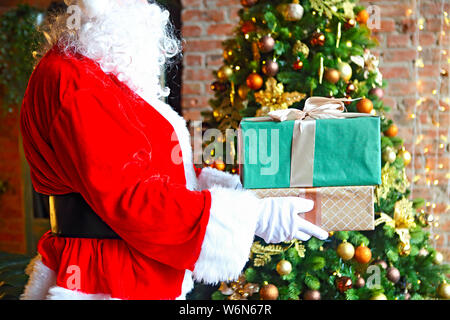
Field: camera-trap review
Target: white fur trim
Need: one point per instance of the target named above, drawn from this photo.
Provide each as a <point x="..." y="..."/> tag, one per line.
<point x="41" y="279"/>
<point x="187" y="286"/>
<point x="42" y="285"/>
<point x="210" y="177"/>
<point x="179" y="125"/>
<point x="59" y="293"/>
<point x="229" y="235"/>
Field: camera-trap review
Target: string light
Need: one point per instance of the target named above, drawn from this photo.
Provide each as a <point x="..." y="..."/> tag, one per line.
<point x="434" y="109"/>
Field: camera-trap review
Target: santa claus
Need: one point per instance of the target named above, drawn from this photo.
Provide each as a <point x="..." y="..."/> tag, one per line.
<point x="131" y="217"/>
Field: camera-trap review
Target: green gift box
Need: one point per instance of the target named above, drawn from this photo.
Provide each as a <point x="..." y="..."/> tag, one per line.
<point x="310" y="152"/>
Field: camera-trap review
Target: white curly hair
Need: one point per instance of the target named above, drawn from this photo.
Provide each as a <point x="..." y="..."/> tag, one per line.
<point x="133" y="39"/>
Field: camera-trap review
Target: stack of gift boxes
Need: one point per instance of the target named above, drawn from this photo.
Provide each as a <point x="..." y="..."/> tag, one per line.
<point x="334" y="161"/>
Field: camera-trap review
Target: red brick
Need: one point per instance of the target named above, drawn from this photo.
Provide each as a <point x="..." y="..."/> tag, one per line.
<point x="191" y="88"/>
<point x="191" y="31"/>
<point x="429" y="71"/>
<point x="395" y="72"/>
<point x="398" y="40"/>
<point x="199" y="74"/>
<point x="215" y="60"/>
<point x="191" y="3"/>
<point x="195" y="15"/>
<point x="203" y="45"/>
<point x="395" y="55"/>
<point x="385" y="26"/>
<point x="193" y="60"/>
<point x="401" y="88"/>
<point x="427" y="39"/>
<point x="194" y="102"/>
<point x="221" y="29"/>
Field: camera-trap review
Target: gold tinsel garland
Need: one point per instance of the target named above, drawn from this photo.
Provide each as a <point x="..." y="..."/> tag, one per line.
<point x="274" y="97"/>
<point x="261" y="254"/>
<point x="331" y="8"/>
<point x="393" y="178"/>
<point x="402" y="221"/>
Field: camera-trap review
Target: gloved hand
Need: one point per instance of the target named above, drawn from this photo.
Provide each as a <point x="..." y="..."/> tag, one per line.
<point x="279" y="220"/>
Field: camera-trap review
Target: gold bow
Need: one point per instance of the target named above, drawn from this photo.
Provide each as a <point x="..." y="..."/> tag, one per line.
<point x="318" y="108"/>
<point x="403" y="220"/>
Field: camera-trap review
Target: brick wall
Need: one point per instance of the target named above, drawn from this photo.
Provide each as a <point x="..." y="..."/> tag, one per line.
<point x="207" y="23"/>
<point x="12" y="219"/>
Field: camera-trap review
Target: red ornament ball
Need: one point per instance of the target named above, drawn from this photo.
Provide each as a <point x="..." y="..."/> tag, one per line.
<point x="350" y="23"/>
<point x="247" y="27"/>
<point x="317" y="39"/>
<point x="350" y="88"/>
<point x="298" y="65"/>
<point x="343" y="284"/>
<point x="249" y="3"/>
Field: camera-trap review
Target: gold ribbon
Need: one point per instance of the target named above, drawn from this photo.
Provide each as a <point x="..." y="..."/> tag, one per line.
<point x="318" y="108"/>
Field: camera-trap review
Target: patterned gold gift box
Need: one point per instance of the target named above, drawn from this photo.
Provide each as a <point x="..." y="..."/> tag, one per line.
<point x="335" y="208"/>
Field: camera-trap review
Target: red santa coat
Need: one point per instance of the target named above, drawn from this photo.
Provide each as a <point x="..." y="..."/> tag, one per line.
<point x="85" y="131"/>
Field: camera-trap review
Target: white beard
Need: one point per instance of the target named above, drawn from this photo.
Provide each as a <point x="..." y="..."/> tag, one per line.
<point x="130" y="39"/>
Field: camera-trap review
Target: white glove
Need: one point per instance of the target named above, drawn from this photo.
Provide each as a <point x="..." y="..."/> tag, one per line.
<point x="279" y="220"/>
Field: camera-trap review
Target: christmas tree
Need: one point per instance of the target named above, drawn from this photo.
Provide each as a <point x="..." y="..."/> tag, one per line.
<point x="283" y="52"/>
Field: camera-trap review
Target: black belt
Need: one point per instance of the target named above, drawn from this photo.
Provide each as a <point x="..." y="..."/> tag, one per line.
<point x="72" y="217"/>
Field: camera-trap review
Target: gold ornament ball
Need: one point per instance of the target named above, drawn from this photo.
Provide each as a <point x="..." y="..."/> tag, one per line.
<point x="224" y="73"/>
<point x="345" y="71"/>
<point x="438" y="258"/>
<point x="243" y="91"/>
<point x="346" y="251"/>
<point x="444" y="290"/>
<point x="405" y="155"/>
<point x="389" y="155"/>
<point x="284" y="267"/>
<point x="379" y="296"/>
<point x="332" y="75"/>
<point x="269" y="292"/>
<point x="300" y="47"/>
